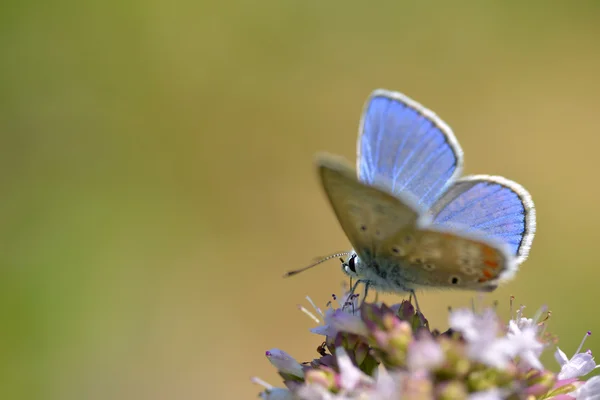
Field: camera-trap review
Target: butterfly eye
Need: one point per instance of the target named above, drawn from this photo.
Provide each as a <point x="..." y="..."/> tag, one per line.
<point x="352" y="264"/>
<point x="455" y="280"/>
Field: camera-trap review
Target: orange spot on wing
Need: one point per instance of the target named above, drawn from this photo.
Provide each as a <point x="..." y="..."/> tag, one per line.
<point x="487" y="273"/>
<point x="490" y="263"/>
<point x="488" y="252"/>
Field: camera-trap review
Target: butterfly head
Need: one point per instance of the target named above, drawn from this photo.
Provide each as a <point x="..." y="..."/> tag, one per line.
<point x="352" y="266"/>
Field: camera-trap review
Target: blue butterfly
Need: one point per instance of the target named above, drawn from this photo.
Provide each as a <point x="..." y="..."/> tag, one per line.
<point x="412" y="222"/>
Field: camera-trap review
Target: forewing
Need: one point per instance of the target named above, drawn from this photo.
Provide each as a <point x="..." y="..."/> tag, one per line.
<point x="444" y="259"/>
<point x="366" y="213"/>
<point x="405" y="146"/>
<point x="492" y="206"/>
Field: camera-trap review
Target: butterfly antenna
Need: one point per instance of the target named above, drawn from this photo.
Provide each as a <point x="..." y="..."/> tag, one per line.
<point x="322" y="260"/>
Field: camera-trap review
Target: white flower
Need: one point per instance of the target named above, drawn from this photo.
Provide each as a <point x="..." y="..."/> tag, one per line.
<point x="525" y="344"/>
<point x="481" y="334"/>
<point x="344" y="318"/>
<point x="387" y="386"/>
<point x="474" y="327"/>
<point x="590" y="390"/>
<point x="350" y="376"/>
<point x="424" y="353"/>
<point x="352" y="382"/>
<point x="523" y="322"/>
<point x="336" y="320"/>
<point x="284" y="362"/>
<point x="579" y="365"/>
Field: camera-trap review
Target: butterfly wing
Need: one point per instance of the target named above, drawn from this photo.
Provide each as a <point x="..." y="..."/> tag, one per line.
<point x="390" y="231"/>
<point x="366" y="213"/>
<point x="492" y="206"/>
<point x="437" y="258"/>
<point x="406" y="147"/>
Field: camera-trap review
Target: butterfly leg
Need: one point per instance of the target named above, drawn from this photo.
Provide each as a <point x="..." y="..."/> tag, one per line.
<point x="353" y="288"/>
<point x="350" y="298"/>
<point x="413" y="294"/>
<point x="366" y="292"/>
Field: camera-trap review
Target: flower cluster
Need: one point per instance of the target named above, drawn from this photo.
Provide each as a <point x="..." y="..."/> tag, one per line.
<point x="380" y="352"/>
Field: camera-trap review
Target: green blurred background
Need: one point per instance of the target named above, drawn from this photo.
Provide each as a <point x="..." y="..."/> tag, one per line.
<point x="156" y="167"/>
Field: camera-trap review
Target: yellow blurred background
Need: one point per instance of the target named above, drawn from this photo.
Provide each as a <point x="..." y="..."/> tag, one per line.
<point x="156" y="168"/>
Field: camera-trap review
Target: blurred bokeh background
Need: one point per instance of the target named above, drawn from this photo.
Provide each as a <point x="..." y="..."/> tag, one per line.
<point x="157" y="178"/>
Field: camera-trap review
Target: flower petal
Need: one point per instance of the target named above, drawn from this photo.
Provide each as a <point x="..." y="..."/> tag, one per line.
<point x="339" y="320"/>
<point x="581" y="364"/>
<point x="350" y="375"/>
<point x="560" y="357"/>
<point x="284" y="362"/>
<point x="277" y="394"/>
<point x="590" y="390"/>
<point x="424" y="353"/>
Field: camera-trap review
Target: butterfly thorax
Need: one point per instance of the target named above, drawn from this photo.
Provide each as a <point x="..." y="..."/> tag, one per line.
<point x="381" y="274"/>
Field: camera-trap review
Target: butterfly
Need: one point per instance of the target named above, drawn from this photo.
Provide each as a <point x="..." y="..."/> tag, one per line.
<point x="412" y="222"/>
